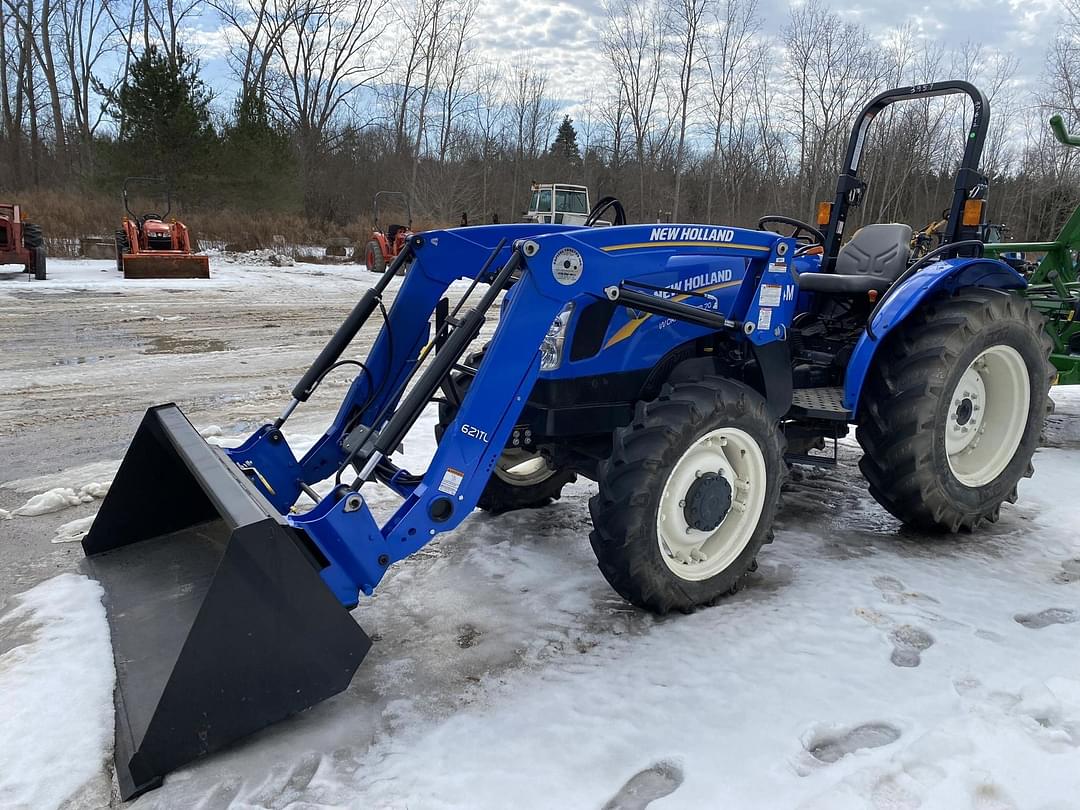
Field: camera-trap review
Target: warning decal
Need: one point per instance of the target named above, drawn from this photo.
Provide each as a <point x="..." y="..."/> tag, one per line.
<point x="451" y="481"/>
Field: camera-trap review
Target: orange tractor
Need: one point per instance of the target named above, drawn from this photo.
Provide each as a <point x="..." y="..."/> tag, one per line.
<point x="155" y="246"/>
<point x="21" y="242"/>
<point x="384" y="246"/>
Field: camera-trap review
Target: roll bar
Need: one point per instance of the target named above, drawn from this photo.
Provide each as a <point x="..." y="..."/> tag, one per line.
<point x="969" y="182"/>
<point x="160" y="182"/>
<point x="403" y="195"/>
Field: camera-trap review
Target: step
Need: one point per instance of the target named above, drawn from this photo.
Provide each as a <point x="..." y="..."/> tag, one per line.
<point x="820" y="403"/>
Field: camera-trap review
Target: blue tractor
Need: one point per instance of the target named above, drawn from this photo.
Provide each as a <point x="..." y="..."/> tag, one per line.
<point x="675" y="365"/>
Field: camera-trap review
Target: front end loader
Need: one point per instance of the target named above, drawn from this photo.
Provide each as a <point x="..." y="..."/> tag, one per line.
<point x="672" y="364"/>
<point x="153" y="245"/>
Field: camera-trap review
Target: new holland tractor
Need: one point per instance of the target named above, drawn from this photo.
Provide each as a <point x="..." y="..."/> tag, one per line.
<point x="672" y="364"/>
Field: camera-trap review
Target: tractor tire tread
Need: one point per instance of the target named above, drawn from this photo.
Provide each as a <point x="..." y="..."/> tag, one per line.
<point x="897" y="413"/>
<point x="623" y="514"/>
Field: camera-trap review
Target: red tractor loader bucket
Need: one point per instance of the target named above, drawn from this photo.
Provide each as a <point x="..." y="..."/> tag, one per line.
<point x="220" y="621"/>
<point x="158" y="265"/>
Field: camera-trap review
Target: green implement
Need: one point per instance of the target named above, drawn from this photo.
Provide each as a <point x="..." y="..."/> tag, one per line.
<point x="1054" y="280"/>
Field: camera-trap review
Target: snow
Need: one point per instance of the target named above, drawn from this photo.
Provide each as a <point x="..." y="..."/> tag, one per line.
<point x="59" y="498"/>
<point x="74" y="529"/>
<point x="56" y="683"/>
<point x="73" y="478"/>
<point x="227" y="272"/>
<point x="863" y="665"/>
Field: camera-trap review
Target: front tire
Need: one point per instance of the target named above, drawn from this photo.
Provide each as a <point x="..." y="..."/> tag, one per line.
<point x="123" y="247"/>
<point x="373" y="257"/>
<point x="953" y="409"/>
<point x="688" y="496"/>
<point x="38" y="262"/>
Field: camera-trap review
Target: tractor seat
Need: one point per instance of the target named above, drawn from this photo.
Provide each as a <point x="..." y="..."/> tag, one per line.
<point x="872" y="260"/>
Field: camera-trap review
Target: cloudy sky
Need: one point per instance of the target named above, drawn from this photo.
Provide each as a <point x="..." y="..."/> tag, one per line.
<point x="562" y="36"/>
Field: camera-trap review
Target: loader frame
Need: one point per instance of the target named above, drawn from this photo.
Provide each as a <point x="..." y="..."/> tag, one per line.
<point x="376" y="415"/>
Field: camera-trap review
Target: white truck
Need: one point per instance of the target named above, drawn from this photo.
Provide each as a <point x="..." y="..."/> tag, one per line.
<point x="558" y="204"/>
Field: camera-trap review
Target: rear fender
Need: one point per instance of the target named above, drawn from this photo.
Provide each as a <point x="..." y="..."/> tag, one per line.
<point x="944" y="276"/>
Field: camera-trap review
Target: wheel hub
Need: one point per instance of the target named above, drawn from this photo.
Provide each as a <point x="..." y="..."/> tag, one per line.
<point x="707" y="502"/>
<point x="711" y="502"/>
<point x="987" y="415"/>
<point x="964" y="411"/>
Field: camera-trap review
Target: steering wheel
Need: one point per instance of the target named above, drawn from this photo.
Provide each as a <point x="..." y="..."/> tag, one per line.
<point x="602" y="205"/>
<point x="806" y="235"/>
<point x="147" y="217"/>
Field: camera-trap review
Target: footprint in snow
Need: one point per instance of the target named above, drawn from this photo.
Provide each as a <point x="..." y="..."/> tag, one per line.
<point x="1045" y="618"/>
<point x="830" y="748"/>
<point x="909" y="642"/>
<point x="644" y="787"/>
<point x="467" y="636"/>
<point x="989" y="796"/>
<point x="1070" y="572"/>
<point x="894" y="592"/>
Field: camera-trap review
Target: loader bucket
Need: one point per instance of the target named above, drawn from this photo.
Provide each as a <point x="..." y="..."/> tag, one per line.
<point x="149" y="265"/>
<point x="220" y="621"/>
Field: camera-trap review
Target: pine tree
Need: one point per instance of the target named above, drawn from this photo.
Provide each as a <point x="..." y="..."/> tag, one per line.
<point x="165" y="110"/>
<point x="565" y="147"/>
<point x="256" y="161"/>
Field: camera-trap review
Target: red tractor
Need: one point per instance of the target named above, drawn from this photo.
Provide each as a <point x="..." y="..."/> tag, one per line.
<point x="21" y="242"/>
<point x="384" y="246"/>
<point x="154" y="246"/>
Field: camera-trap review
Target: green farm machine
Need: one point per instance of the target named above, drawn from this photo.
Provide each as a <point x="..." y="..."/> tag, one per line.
<point x="1054" y="280"/>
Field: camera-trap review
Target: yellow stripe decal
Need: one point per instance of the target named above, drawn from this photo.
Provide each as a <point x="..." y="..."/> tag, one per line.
<point x="729" y="245"/>
<point x="628" y="328"/>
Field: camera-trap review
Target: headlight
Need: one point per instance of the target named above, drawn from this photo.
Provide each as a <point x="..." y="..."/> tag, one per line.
<point x="552" y="348"/>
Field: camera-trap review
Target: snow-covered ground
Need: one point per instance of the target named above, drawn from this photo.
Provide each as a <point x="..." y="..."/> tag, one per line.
<point x="864" y="666"/>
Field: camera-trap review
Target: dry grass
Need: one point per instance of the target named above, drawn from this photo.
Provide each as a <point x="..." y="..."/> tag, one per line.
<point x="68" y="216"/>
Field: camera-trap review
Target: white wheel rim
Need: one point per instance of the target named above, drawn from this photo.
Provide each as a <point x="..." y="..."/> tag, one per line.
<point x="520" y="468"/>
<point x="987" y="416"/>
<point x="697" y="555"/>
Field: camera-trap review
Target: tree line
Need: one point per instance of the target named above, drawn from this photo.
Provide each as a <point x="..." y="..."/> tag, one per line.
<point x="695" y="111"/>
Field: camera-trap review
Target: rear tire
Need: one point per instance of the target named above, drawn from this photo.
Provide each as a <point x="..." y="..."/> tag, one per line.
<point x="373" y="257"/>
<point x="33" y="237"/>
<point x="688" y="496"/>
<point x="953" y="409"/>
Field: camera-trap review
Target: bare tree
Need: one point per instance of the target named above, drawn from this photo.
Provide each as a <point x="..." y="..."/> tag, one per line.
<point x="325" y="55"/>
<point x="688" y="17"/>
<point x="86" y="38"/>
<point x="532" y="116"/>
<point x="634" y="42"/>
<point x="731" y="59"/>
<point x="457" y="61"/>
<point x="255" y="29"/>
